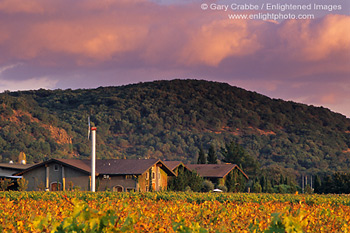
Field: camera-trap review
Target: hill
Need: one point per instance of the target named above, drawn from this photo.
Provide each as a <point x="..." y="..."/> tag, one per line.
<point x="171" y="120"/>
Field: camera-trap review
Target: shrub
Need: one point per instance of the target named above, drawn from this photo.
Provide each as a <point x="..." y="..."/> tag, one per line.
<point x="22" y="184"/>
<point x="207" y="186"/>
<point x="257" y="188"/>
<point x="5" y="183"/>
<point x="222" y="187"/>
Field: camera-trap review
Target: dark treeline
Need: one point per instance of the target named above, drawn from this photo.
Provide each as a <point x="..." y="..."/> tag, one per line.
<point x="336" y="183"/>
<point x="171" y="120"/>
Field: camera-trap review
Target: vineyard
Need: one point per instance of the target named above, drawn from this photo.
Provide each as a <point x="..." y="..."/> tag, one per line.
<point x="172" y="212"/>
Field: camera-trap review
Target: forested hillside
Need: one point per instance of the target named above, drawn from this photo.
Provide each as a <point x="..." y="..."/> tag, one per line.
<point x="171" y="120"/>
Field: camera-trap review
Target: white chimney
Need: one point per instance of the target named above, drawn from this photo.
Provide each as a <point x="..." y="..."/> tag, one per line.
<point x="93" y="158"/>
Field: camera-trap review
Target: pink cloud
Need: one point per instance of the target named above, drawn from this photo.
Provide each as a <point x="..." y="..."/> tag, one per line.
<point x="20" y="6"/>
<point x="317" y="40"/>
<point x="210" y="44"/>
<point x="329" y="98"/>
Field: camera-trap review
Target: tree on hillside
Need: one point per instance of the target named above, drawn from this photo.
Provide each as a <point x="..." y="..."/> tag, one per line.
<point x="235" y="153"/>
<point x="201" y="157"/>
<point x="212" y="157"/>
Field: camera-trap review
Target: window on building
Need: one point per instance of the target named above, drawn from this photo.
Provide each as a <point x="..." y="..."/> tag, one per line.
<point x="147" y="175"/>
<point x="153" y="175"/>
<point x="128" y="177"/>
<point x="56" y="167"/>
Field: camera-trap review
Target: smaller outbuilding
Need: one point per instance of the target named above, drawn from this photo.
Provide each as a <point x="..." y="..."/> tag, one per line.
<point x="217" y="173"/>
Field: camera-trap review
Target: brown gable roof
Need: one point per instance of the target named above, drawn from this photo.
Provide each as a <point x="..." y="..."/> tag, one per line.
<point x="173" y="164"/>
<point x="82" y="165"/>
<point x="213" y="170"/>
<point x="128" y="166"/>
<point x="15" y="166"/>
<point x="109" y="166"/>
<point x="8" y="169"/>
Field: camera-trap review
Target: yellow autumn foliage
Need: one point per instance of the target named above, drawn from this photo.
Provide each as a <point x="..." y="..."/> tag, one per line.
<point x="172" y="212"/>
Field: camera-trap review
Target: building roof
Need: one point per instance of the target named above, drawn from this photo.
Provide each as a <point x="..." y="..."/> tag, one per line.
<point x="8" y="169"/>
<point x="213" y="170"/>
<point x="81" y="164"/>
<point x="128" y="166"/>
<point x="173" y="164"/>
<point x="109" y="166"/>
<point x="15" y="166"/>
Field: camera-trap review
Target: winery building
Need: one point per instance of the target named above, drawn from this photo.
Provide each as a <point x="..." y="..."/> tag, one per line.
<point x="111" y="174"/>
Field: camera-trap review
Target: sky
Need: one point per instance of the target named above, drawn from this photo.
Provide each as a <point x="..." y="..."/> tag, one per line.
<point x="86" y="44"/>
